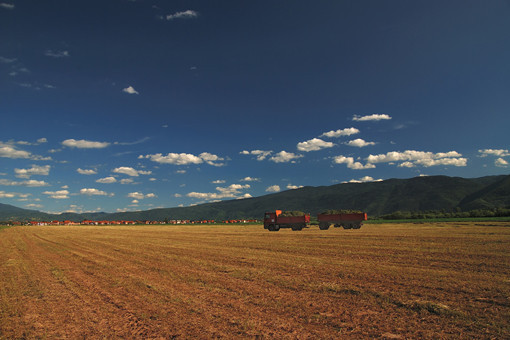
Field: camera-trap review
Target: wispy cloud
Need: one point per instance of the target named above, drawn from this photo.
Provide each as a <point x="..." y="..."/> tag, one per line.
<point x="232" y="191"/>
<point x="260" y="154"/>
<point x="373" y="117"/>
<point x="60" y="194"/>
<point x="4" y="60"/>
<point x="27" y="183"/>
<point x="84" y="144"/>
<point x="188" y="14"/>
<point x="8" y="150"/>
<point x="6" y="5"/>
<point x="56" y="54"/>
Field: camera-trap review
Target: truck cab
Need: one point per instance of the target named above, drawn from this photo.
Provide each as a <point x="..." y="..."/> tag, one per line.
<point x="271" y="218"/>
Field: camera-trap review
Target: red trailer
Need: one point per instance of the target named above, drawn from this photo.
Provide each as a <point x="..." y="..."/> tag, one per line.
<point x="346" y="221"/>
<point x="273" y="221"/>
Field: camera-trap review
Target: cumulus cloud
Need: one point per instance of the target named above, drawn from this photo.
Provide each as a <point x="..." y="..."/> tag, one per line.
<point x="126" y="170"/>
<point x="290" y="186"/>
<point x="184" y="158"/>
<point x="86" y="171"/>
<point x="130" y="90"/>
<point x="107" y="180"/>
<point x="84" y="144"/>
<point x="43" y="170"/>
<point x="93" y="192"/>
<point x="126" y="181"/>
<point x="500" y="162"/>
<point x="411" y="158"/>
<point x="273" y="188"/>
<point x="374" y="117"/>
<point x="351" y="164"/>
<point x="188" y="14"/>
<point x="250" y="179"/>
<point x="140" y="196"/>
<point x="4" y="194"/>
<point x="314" y="144"/>
<point x="494" y="152"/>
<point x="232" y="191"/>
<point x="260" y="154"/>
<point x="56" y="54"/>
<point x="364" y="180"/>
<point x="359" y="143"/>
<point x="27" y="183"/>
<point x="285" y="157"/>
<point x="59" y="195"/>
<point x="341" y="132"/>
<point x="8" y="150"/>
<point x="219" y="181"/>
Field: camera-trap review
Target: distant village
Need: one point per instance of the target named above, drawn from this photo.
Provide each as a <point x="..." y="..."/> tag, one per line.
<point x="122" y="222"/>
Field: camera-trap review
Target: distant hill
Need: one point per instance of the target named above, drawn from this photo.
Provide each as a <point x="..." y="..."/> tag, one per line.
<point x="375" y="198"/>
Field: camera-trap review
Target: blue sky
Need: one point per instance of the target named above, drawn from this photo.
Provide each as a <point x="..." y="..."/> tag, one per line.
<point x="131" y="105"/>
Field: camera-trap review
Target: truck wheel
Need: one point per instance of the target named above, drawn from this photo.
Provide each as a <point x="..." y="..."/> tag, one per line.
<point x="356" y="226"/>
<point x="276" y="227"/>
<point x="323" y="226"/>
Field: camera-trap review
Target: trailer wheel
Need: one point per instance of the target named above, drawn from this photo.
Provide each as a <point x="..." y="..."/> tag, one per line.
<point x="297" y="228"/>
<point x="356" y="226"/>
<point x="346" y="226"/>
<point x="323" y="226"/>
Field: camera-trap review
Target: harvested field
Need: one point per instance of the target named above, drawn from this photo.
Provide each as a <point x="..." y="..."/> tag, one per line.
<point x="442" y="280"/>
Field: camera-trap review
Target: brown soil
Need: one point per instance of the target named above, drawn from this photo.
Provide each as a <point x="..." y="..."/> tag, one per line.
<point x="382" y="281"/>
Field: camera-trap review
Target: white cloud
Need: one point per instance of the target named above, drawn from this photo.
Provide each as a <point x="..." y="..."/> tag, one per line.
<point x="244" y="196"/>
<point x="177" y="195"/>
<point x="188" y="14"/>
<point x="273" y="188"/>
<point x="500" y="162"/>
<point x="211" y="159"/>
<point x="250" y="179"/>
<point x="56" y="54"/>
<point x="180" y="172"/>
<point x="494" y="152"/>
<point x="84" y="144"/>
<point x="6" y="5"/>
<point x="42" y="140"/>
<point x="260" y="154"/>
<point x="126" y="170"/>
<point x="341" y="132"/>
<point x="351" y="164"/>
<point x="43" y="170"/>
<point x="126" y="181"/>
<point x="4" y="194"/>
<point x="8" y="150"/>
<point x="4" y="60"/>
<point x="184" y="158"/>
<point x="130" y="90"/>
<point x="232" y="191"/>
<point x="412" y="157"/>
<point x="107" y="180"/>
<point x="314" y="144"/>
<point x="34" y="205"/>
<point x="285" y="157"/>
<point x="140" y="196"/>
<point x="92" y="192"/>
<point x="364" y="180"/>
<point x="360" y="143"/>
<point x="374" y="117"/>
<point x="86" y="171"/>
<point x="59" y="195"/>
<point x="290" y="186"/>
<point x="27" y="183"/>
<point x="219" y="181"/>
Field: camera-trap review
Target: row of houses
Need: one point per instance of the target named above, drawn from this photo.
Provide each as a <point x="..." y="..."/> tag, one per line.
<point x="91" y="222"/>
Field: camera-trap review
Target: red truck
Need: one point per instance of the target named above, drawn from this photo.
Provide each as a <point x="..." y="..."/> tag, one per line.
<point x="273" y="221"/>
<point x="346" y="221"/>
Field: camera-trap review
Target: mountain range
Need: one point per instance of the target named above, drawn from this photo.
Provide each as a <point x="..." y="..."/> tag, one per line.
<point x="375" y="198"/>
